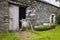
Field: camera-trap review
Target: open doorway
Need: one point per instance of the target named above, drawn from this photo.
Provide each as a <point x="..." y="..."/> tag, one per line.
<point x="16" y="13"/>
<point x="22" y="14"/>
<point x="52" y="18"/>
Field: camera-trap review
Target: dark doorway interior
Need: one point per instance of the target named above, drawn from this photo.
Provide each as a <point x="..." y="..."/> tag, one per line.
<point x="22" y="14"/>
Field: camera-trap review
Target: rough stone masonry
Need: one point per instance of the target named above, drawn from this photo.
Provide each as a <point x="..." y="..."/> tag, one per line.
<point x="41" y="9"/>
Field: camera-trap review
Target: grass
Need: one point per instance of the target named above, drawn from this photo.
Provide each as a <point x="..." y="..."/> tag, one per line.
<point x="8" y="36"/>
<point x="53" y="34"/>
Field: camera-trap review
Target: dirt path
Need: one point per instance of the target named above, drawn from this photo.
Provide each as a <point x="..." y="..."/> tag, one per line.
<point x="24" y="35"/>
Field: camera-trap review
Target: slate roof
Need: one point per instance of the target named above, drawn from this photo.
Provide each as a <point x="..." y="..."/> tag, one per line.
<point x="48" y="3"/>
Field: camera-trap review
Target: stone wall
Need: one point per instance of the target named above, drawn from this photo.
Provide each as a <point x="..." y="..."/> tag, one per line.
<point x="3" y="15"/>
<point x="43" y="12"/>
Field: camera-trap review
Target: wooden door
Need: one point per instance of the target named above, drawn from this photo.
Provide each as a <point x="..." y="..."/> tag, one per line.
<point x="14" y="17"/>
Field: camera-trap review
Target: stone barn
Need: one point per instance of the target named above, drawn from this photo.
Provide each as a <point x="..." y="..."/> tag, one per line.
<point x="12" y="12"/>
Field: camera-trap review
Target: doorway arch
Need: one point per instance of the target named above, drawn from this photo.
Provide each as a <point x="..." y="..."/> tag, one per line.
<point x="52" y="18"/>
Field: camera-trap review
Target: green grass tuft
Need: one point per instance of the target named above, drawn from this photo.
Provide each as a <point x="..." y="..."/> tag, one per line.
<point x="8" y="36"/>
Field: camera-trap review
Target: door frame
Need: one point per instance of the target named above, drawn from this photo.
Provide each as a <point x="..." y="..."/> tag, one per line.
<point x="18" y="13"/>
